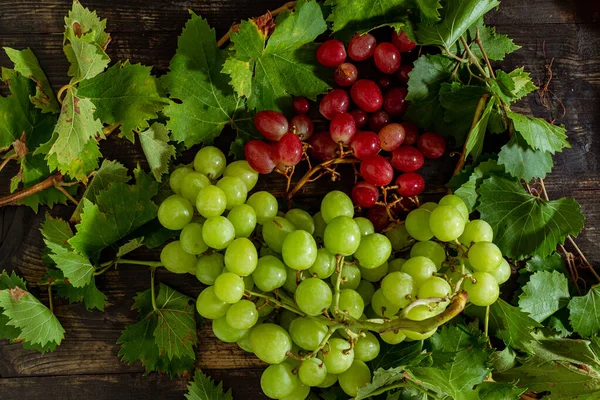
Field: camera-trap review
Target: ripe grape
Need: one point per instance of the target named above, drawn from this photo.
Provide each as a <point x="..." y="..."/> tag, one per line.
<point x="366" y="95"/>
<point x="322" y="146"/>
<point x="300" y="105"/>
<point x="366" y="289"/>
<point x="364" y="194"/>
<point x="382" y="306"/>
<point x="374" y="274"/>
<point x="342" y="236"/>
<point x="350" y="277"/>
<point x="301" y="219"/>
<point x="410" y="184"/>
<point x="434" y="287"/>
<point x="485" y="256"/>
<point x="209" y="267"/>
<point x="286" y="317"/>
<point x="351" y="303"/>
<point x="176" y="178"/>
<point x="385" y="81"/>
<point x="430" y="205"/>
<point x="336" y="101"/>
<point x="412" y="133"/>
<point x="288" y="150"/>
<point x="340" y="356"/>
<point x="319" y="225"/>
<point x="446" y="223"/>
<point x="209" y="306"/>
<point x="226" y="333"/>
<point x="456" y="202"/>
<point x="218" y="232"/>
<point x="270" y="343"/>
<point x="365" y="144"/>
<point x="234" y="189"/>
<point x="476" y="231"/>
<point x="378" y="217"/>
<point x="271" y="124"/>
<point x="302" y="126"/>
<point x="396" y="265"/>
<point x="331" y="53"/>
<point x="345" y="74"/>
<point x="210" y="161"/>
<point x="374" y="250"/>
<point x="482" y="288"/>
<point x="399" y="237"/>
<point x="378" y="120"/>
<point x="242" y="315"/>
<point x="307" y="332"/>
<point x="402" y="42"/>
<point x="244" y="344"/>
<point x="432" y="250"/>
<point x="387" y="58"/>
<point x="293" y="279"/>
<point x="313" y="296"/>
<point x="191" y="184"/>
<point x="191" y="240"/>
<point x="324" y="264"/>
<point x="366" y="348"/>
<point x="361" y="47"/>
<point x="243" y="219"/>
<point x="361" y="118"/>
<point x="278" y="381"/>
<point x="175" y="212"/>
<point x="264" y="205"/>
<point x="244" y="171"/>
<point x="354" y="378"/>
<point x="366" y="227"/>
<point x="419" y="268"/>
<point x="211" y="201"/>
<point x="398" y="288"/>
<point x="391" y="136"/>
<point x="403" y="73"/>
<point x="229" y="287"/>
<point x="174" y="258"/>
<point x="270" y="273"/>
<point x="300" y="393"/>
<point x="431" y="145"/>
<point x="393" y="337"/>
<point x="335" y="204"/>
<point x="394" y="101"/>
<point x="342" y="128"/>
<point x="330" y="380"/>
<point x="312" y="372"/>
<point x="241" y="257"/>
<point x="502" y="273"/>
<point x="421" y="312"/>
<point x="407" y="159"/>
<point x="260" y="156"/>
<point x="377" y="170"/>
<point x="299" y="250"/>
<point x="417" y="224"/>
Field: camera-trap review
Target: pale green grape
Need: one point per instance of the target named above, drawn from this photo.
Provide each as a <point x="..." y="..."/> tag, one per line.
<point x="243" y="219"/>
<point x="312" y="372"/>
<point x="350" y="277"/>
<point x="434" y="287"/>
<point x="248" y="282"/>
<point x="241" y="257"/>
<point x="398" y="288"/>
<point x="373" y="251"/>
<point x="342" y="236"/>
<point x="286" y="317"/>
<point x="244" y="344"/>
<point x="313" y="296"/>
<point x="482" y="288"/>
<point x="476" y="231"/>
<point x="446" y="223"/>
<point x="191" y="240"/>
<point x="453" y="200"/>
<point x="234" y="189"/>
<point x="366" y="348"/>
<point x="293" y="279"/>
<point x="209" y="306"/>
<point x="176" y="178"/>
<point x="351" y="303"/>
<point x="485" y="256"/>
<point x="244" y="171"/>
<point x="421" y="312"/>
<point x="399" y="237"/>
<point x="374" y="274"/>
<point x="396" y="265"/>
<point x="355" y="377"/>
<point x="191" y="185"/>
<point x="330" y="380"/>
<point x="264" y="205"/>
<point x="270" y="343"/>
<point x="364" y="225"/>
<point x="278" y="381"/>
<point x="300" y="393"/>
<point x="308" y="332"/>
<point x="218" y="232"/>
<point x="242" y="315"/>
<point x="211" y="201"/>
<point x="275" y="231"/>
<point x="175" y="212"/>
<point x="366" y="289"/>
<point x="430" y="205"/>
<point x="226" y="333"/>
<point x="420" y="268"/>
<point x="209" y="267"/>
<point x="335" y="204"/>
<point x="264" y="307"/>
<point x="419" y="336"/>
<point x="210" y="161"/>
<point x="432" y="250"/>
<point x="229" y="287"/>
<point x="382" y="306"/>
<point x="502" y="273"/>
<point x="340" y="356"/>
<point x="269" y="274"/>
<point x="417" y="224"/>
<point x="324" y="265"/>
<point x="320" y="226"/>
<point x="392" y="337"/>
<point x="299" y="250"/>
<point x="301" y="219"/>
<point x="174" y="258"/>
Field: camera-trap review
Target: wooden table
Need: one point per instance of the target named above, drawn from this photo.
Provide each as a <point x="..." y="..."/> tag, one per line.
<point x="563" y="33"/>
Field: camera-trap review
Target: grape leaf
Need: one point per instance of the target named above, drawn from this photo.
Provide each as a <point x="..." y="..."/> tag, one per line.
<point x="522" y="162"/>
<point x="246" y="131"/>
<point x="585" y="313"/>
<point x="498" y="391"/>
<point x="430" y="10"/>
<point x="539" y="134"/>
<point x="459" y="102"/>
<point x="76" y="267"/>
<point x="11" y="281"/>
<point x="468" y="190"/>
<point x="130" y="246"/>
<point x="89" y="295"/>
<point x="474" y="145"/>
<point x="553" y="262"/>
<point x="400" y="354"/>
<point x="381" y="378"/>
<point x="204" y="388"/>
<point x="87" y="58"/>
<point x="496" y="45"/>
<point x="523" y="85"/>
<point x="525" y="225"/>
<point x="544" y="294"/>
<point x="81" y="21"/>
<point x="27" y="64"/>
<point x="127" y="94"/>
<point x="156" y="147"/>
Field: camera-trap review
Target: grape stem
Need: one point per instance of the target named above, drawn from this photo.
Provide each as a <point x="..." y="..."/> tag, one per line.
<point x="55" y="180"/>
<point x="276" y="302"/>
<point x="107" y="265"/>
<point x="338" y="281"/>
<point x="486" y="322"/>
<point x="152" y="273"/>
<point x="330" y="332"/>
<point x="324" y="165"/>
<point x="478" y="113"/>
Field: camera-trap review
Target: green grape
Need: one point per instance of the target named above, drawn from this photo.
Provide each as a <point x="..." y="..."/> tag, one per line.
<point x="482" y="288"/>
<point x="485" y="256"/>
<point x="502" y="273"/>
<point x="320" y="226"/>
<point x="278" y="381"/>
<point x="229" y="287"/>
<point x="476" y="231"/>
<point x="455" y="273"/>
<point x="209" y="267"/>
<point x="312" y="372"/>
<point x="330" y="380"/>
<point x="243" y="219"/>
<point x="267" y="251"/>
<point x="366" y="289"/>
<point x="432" y="250"/>
<point x="434" y="287"/>
<point x="234" y="189"/>
<point x="308" y="332"/>
<point x="264" y="307"/>
<point x="342" y="236"/>
<point x="218" y="232"/>
<point x="399" y="237"/>
<point x="241" y="169"/>
<point x="350" y="277"/>
<point x="244" y="344"/>
<point x="286" y="317"/>
<point x="275" y="231"/>
<point x="269" y="274"/>
<point x="293" y="361"/>
<point x="453" y="200"/>
<point x="174" y="258"/>
<point x="374" y="274"/>
<point x="313" y="296"/>
<point x="270" y="343"/>
<point x="175" y="212"/>
<point x="430" y="205"/>
<point x="373" y="251"/>
<point x="382" y="306"/>
<point x="226" y="333"/>
<point x="419" y="336"/>
<point x="191" y="185"/>
<point x="191" y="240"/>
<point x="398" y="288"/>
<point x="293" y="279"/>
<point x="446" y="223"/>
<point x="367" y="347"/>
<point x="242" y="315"/>
<point x="396" y="265"/>
<point x="324" y="265"/>
<point x="210" y="161"/>
<point x="209" y="306"/>
<point x="417" y="224"/>
<point x="420" y="268"/>
<point x="211" y="201"/>
<point x="335" y="204"/>
<point x="300" y="393"/>
<point x="299" y="250"/>
<point x="392" y="337"/>
<point x="301" y="219"/>
<point x="264" y="205"/>
<point x="248" y="282"/>
<point x="351" y="303"/>
<point x="355" y="377"/>
<point x="340" y="356"/>
<point x="176" y="178"/>
<point x="241" y="257"/>
<point x="364" y="225"/>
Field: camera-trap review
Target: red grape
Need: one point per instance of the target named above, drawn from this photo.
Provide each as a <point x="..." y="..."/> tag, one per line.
<point x="322" y="147"/>
<point x="385" y="82"/>
<point x="260" y="156"/>
<point x="331" y="53"/>
<point x="394" y="102"/>
<point x="378" y="120"/>
<point x="364" y="194"/>
<point x="342" y="128"/>
<point x="391" y="136"/>
<point x="377" y="170"/>
<point x="361" y="118"/>
<point x="378" y="217"/>
<point x="403" y="72"/>
<point x="402" y="42"/>
<point x="366" y="95"/>
<point x="345" y="74"/>
<point x="302" y="126"/>
<point x="365" y="144"/>
<point x="431" y="145"/>
<point x="361" y="47"/>
<point x="407" y="159"/>
<point x="387" y="58"/>
<point x="300" y="105"/>
<point x="288" y="150"/>
<point x="410" y="184"/>
<point x="412" y="132"/>
<point x="271" y="124"/>
<point x="334" y="102"/>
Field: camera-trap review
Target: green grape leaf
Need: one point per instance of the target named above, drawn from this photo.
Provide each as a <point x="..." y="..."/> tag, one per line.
<point x="459" y="102"/>
<point x="87" y="58"/>
<point x="523" y="85"/>
<point x="496" y="45"/>
<point x="381" y="378"/>
<point x="76" y="267"/>
<point x="89" y="295"/>
<point x="585" y="313"/>
<point x="81" y="21"/>
<point x="240" y="73"/>
<point x="246" y="131"/>
<point x="400" y="354"/>
<point x="539" y="134"/>
<point x="430" y="10"/>
<point x="544" y="294"/>
<point x="522" y="162"/>
<point x="553" y="262"/>
<point x="130" y="246"/>
<point x="56" y="231"/>
<point x="204" y="388"/>
<point x="27" y="64"/>
<point x="11" y="281"/>
<point x="468" y="190"/>
<point x="474" y="145"/>
<point x="498" y="391"/>
<point x="156" y="147"/>
<point x="127" y="94"/>
<point x="512" y="86"/>
<point x="559" y="324"/>
<point x="525" y="225"/>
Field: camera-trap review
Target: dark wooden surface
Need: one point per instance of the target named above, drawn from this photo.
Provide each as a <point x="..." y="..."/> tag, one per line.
<point x="86" y="364"/>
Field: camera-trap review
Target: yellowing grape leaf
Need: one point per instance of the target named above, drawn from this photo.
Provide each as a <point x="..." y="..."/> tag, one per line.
<point x="81" y="21"/>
